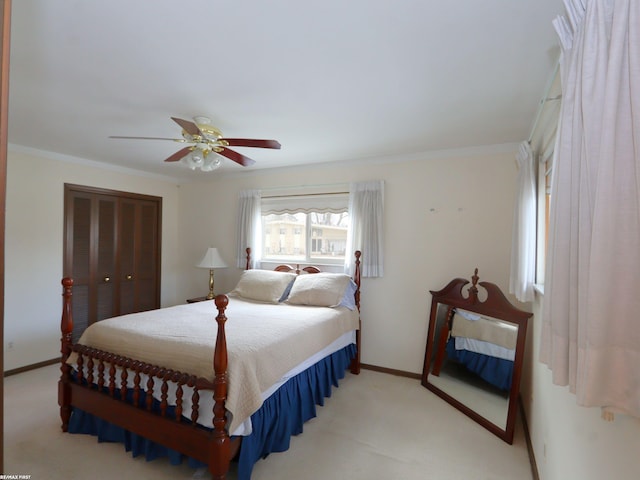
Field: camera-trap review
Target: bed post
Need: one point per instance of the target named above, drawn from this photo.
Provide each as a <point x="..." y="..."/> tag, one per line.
<point x="248" y="265"/>
<point x="221" y="443"/>
<point x="355" y="363"/>
<point x="66" y="327"/>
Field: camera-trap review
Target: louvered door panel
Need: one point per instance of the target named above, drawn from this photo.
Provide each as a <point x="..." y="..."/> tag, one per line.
<point x="80" y="245"/>
<point x="138" y="255"/>
<point x="81" y="239"/>
<point x="80" y="310"/>
<point x="127" y="245"/>
<point x="105" y="253"/>
<point x="147" y="261"/>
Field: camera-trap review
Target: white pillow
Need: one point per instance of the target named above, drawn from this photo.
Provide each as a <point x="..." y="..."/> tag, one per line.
<point x="319" y="289"/>
<point x="263" y="285"/>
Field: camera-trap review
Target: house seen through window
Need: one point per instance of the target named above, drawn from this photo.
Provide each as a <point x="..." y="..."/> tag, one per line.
<point x="305" y="237"/>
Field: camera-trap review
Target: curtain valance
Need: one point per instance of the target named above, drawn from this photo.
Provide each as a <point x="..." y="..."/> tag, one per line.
<point x="315" y="202"/>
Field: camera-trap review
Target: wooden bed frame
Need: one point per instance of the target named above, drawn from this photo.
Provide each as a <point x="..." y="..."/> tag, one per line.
<point x="102" y="396"/>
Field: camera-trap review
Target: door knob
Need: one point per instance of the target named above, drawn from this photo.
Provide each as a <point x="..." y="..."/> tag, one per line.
<point x="129" y="277"/>
<point x="107" y="279"/>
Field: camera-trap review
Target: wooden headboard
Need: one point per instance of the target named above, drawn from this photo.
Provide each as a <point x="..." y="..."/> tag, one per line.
<point x="313" y="269"/>
<point x="289" y="268"/>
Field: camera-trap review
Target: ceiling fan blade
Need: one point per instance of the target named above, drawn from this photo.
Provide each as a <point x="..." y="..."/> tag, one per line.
<point x="237" y="157"/>
<point x="148" y="138"/>
<point x="188" y="126"/>
<point x="248" y="142"/>
<point x="183" y="152"/>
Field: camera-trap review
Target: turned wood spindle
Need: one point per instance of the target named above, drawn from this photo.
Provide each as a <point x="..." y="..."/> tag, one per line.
<point x="136" y="384"/>
<point x="101" y="373"/>
<point x="163" y="397"/>
<point x="112" y="377"/>
<point x="195" y="406"/>
<point x="66" y="329"/>
<point x="80" y="367"/>
<point x="149" y="399"/>
<point x="123" y="383"/>
<point x="178" y="409"/>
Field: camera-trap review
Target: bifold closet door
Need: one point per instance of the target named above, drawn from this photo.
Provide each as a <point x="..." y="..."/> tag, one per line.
<point x="91" y="250"/>
<point x="112" y="252"/>
<point x="138" y="245"/>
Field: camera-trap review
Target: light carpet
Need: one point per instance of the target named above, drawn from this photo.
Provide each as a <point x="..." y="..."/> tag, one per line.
<point x="374" y="426"/>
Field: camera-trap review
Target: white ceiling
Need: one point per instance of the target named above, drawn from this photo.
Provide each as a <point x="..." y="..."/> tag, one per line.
<point x="332" y="81"/>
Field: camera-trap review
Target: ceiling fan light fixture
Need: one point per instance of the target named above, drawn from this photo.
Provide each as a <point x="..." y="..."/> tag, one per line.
<point x="194" y="159"/>
<point x="211" y="163"/>
<point x="203" y="158"/>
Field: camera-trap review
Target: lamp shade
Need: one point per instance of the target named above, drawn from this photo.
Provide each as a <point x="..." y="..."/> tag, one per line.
<point x="212" y="259"/>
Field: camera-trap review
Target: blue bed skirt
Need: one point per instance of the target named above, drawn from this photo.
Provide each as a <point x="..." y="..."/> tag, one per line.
<point x="298" y="397"/>
<point x="497" y="371"/>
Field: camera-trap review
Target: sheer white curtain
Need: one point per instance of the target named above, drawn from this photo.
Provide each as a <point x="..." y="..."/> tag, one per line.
<point x="523" y="247"/>
<point x="366" y="206"/>
<point x="249" y="228"/>
<point x="590" y="334"/>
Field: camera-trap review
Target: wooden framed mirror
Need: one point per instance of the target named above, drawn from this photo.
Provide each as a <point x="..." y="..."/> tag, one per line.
<point x="474" y="353"/>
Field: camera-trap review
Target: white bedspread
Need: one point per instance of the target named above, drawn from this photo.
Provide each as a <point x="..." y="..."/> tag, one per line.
<point x="264" y="342"/>
<point x="487" y="329"/>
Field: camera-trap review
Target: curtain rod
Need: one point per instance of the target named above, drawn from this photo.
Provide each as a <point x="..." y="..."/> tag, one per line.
<point x="316" y="185"/>
<point x="305" y="195"/>
<point x="544" y="99"/>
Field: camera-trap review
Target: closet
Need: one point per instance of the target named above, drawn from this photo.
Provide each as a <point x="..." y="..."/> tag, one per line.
<point x="112" y="252"/>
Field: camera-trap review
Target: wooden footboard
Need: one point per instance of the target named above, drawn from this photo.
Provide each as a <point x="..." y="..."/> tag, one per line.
<point x="100" y="388"/>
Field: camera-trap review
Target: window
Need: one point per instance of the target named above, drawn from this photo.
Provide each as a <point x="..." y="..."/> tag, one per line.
<point x="546" y="165"/>
<point x="302" y="240"/>
<point x="312" y="228"/>
<point x="543" y="142"/>
<point x="544" y="201"/>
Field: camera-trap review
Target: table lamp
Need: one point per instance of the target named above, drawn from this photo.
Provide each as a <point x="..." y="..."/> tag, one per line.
<point x="211" y="260"/>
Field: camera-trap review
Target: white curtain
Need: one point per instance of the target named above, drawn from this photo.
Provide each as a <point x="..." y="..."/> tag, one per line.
<point x="249" y="228"/>
<point x="591" y="331"/>
<point x="523" y="247"/>
<point x="366" y="206"/>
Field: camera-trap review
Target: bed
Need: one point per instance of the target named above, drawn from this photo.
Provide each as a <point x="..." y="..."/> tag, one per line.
<point x="236" y="390"/>
<point x="483" y="345"/>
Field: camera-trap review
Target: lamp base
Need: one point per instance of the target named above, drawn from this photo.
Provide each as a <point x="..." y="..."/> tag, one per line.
<point x="210" y="295"/>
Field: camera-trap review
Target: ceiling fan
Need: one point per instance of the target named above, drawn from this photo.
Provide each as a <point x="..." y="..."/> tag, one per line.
<point x="205" y="139"/>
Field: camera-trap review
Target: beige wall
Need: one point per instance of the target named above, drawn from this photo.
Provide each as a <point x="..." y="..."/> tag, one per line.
<point x="33" y="243"/>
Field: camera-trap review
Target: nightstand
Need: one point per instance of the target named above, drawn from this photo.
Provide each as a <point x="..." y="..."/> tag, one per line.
<point x="197" y="299"/>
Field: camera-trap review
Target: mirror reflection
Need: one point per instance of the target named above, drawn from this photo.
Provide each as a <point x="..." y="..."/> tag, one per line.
<point x="474" y="353"/>
<point x="473" y="361"/>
